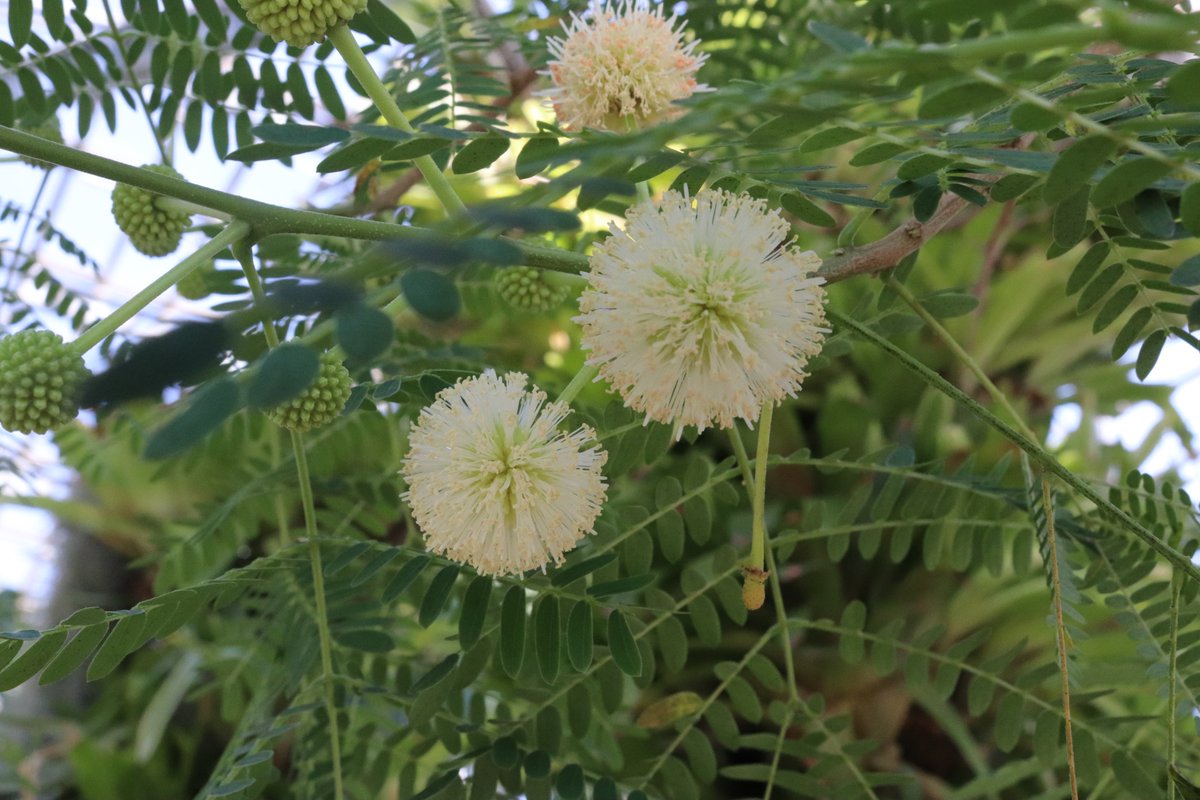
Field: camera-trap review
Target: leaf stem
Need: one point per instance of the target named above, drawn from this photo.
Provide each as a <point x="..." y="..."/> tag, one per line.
<point x="106" y="327"/>
<point x="345" y="43"/>
<point x="1173" y="680"/>
<point x="759" y="500"/>
<point x="1060" y="630"/>
<point x="266" y="218"/>
<point x="241" y="251"/>
<point x="1035" y="450"/>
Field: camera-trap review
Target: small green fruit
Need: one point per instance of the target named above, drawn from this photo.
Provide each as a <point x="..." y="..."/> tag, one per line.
<point x="195" y="285"/>
<point x="40" y="379"/>
<point x="153" y="230"/>
<point x="300" y="22"/>
<point x="320" y="403"/>
<point x="48" y="129"/>
<point x="527" y="289"/>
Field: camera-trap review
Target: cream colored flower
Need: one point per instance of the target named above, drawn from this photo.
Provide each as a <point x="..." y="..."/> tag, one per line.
<point x="492" y="481"/>
<point x="623" y="63"/>
<point x="699" y="313"/>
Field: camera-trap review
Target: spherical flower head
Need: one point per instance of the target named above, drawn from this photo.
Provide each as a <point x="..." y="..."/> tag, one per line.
<point x="48" y="129"/>
<point x="528" y="289"/>
<point x="698" y="312"/>
<point x="624" y="64"/>
<point x="300" y="22"/>
<point x="494" y="483"/>
<point x="40" y="379"/>
<point x="320" y="403"/>
<point x="154" y="231"/>
<point x="194" y="285"/>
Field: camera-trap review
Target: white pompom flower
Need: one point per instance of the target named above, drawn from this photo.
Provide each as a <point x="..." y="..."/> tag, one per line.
<point x="699" y="313"/>
<point x="623" y="63"/>
<point x="494" y="483"/>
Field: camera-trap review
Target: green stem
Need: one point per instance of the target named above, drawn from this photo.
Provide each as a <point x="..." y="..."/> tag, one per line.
<point x="582" y="378"/>
<point x="1060" y="631"/>
<point x="107" y="326"/>
<point x="175" y="204"/>
<point x="266" y="218"/>
<point x="758" y="531"/>
<point x="1173" y="680"/>
<point x="1035" y="450"/>
<point x="314" y="557"/>
<point x="962" y="355"/>
<point x="242" y="252"/>
<point x="643" y="191"/>
<point x="356" y="60"/>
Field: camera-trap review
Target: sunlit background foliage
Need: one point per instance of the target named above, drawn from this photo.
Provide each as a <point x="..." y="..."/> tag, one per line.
<point x="1035" y="166"/>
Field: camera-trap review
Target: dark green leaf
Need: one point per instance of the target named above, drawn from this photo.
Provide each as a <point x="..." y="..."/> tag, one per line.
<point x="307" y="136"/>
<point x="474" y="611"/>
<point x="830" y="137"/>
<point x="1115" y="306"/>
<point x="231" y="788"/>
<point x="1099" y="287"/>
<point x="437" y="594"/>
<point x="1129" y="332"/>
<point x="1010" y="187"/>
<point x="1187" y="790"/>
<point x="431" y="294"/>
<point x="206" y="411"/>
<point x="1187" y="273"/>
<point x="1184" y="86"/>
<point x="364" y="332"/>
<point x="1087" y="267"/>
<point x="1075" y="167"/>
<point x="125" y="636"/>
<point x="569" y="783"/>
<point x="512" y="630"/>
<point x="876" y="153"/>
<point x="1148" y="355"/>
<point x="1189" y="208"/>
<point x="1126" y="179"/>
<point x="536" y="155"/>
<point x="1032" y="117"/>
<point x="479" y="154"/>
<point x="416" y="148"/>
<point x="32" y="660"/>
<point x="404" y="577"/>
<point x="20" y="21"/>
<point x="435" y="675"/>
<point x="632" y="583"/>
<point x="580" y="636"/>
<point x="1131" y="775"/>
<point x="622" y="644"/>
<point x="842" y="41"/>
<point x="921" y="165"/>
<point x="531" y="220"/>
<point x="945" y="305"/>
<point x="960" y="99"/>
<point x="283" y="375"/>
<point x="369" y="641"/>
<point x="1070" y="224"/>
<point x="546" y="639"/>
<point x="806" y="210"/>
<point x="573" y="572"/>
<point x="345" y="558"/>
<point x="354" y="154"/>
<point x="654" y="165"/>
<point x="389" y="23"/>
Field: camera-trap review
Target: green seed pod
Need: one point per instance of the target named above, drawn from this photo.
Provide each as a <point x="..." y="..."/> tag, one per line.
<point x="527" y="289"/>
<point x="40" y="379"/>
<point x="48" y="129"/>
<point x="320" y="403"/>
<point x="195" y="285"/>
<point x="300" y="22"/>
<point x="153" y="230"/>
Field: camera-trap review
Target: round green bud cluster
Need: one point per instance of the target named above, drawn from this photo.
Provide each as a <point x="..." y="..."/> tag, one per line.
<point x="49" y="130"/>
<point x="40" y="379"/>
<point x="320" y="403"/>
<point x="527" y="289"/>
<point x="154" y="231"/>
<point x="194" y="285"/>
<point x="300" y="22"/>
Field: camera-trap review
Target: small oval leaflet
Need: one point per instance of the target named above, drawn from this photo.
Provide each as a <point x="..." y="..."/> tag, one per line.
<point x="364" y="332"/>
<point x="283" y="375"/>
<point x="431" y="294"/>
<point x="622" y="645"/>
<point x="206" y="411"/>
<point x="670" y="709"/>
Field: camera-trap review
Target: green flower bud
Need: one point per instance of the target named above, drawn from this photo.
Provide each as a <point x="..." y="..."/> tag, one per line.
<point x="300" y="22"/>
<point x="40" y="379"/>
<point x="320" y="403"/>
<point x="153" y="230"/>
<point x="527" y="289"/>
<point x="195" y="285"/>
